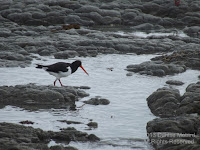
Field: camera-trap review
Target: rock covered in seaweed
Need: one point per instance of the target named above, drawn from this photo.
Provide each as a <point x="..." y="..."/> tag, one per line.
<point x="188" y="58"/>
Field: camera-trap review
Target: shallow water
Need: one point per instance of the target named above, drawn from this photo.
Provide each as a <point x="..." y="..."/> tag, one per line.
<point x="128" y="31"/>
<point x="155" y="34"/>
<point x="121" y="124"/>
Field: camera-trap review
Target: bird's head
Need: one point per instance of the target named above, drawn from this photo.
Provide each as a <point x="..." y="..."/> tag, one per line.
<point x="78" y="63"/>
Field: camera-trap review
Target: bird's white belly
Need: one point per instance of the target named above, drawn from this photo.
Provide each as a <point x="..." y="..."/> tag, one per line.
<point x="60" y="74"/>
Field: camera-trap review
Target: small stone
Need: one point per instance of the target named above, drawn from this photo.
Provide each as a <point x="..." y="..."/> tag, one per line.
<point x="93" y="137"/>
<point x="97" y="101"/>
<point x="93" y="124"/>
<point x="84" y="87"/>
<point x="129" y="74"/>
<point x="26" y="122"/>
<point x="174" y="82"/>
<point x="70" y="122"/>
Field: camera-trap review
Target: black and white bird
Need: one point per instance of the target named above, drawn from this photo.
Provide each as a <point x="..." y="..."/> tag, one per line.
<point x="62" y="69"/>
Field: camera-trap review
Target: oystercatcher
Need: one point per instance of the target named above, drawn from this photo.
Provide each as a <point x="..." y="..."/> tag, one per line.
<point x="62" y="69"/>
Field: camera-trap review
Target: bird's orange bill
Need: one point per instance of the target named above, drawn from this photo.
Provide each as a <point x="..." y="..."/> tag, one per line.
<point x="84" y="70"/>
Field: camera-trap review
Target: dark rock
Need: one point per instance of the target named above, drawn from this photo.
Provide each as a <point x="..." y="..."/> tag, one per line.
<point x="2" y="19"/>
<point x="164" y="102"/>
<point x="57" y="19"/>
<point x="38" y="15"/>
<point x="96" y="17"/>
<point x="129" y="74"/>
<point x="146" y="18"/>
<point x="150" y="7"/>
<point x="84" y="87"/>
<point x="12" y="56"/>
<point x="12" y="59"/>
<point x="191" y="19"/>
<point x="23" y="52"/>
<point x="123" y="47"/>
<point x="111" y="13"/>
<point x="168" y="102"/>
<point x="26" y="122"/>
<point x="39" y="97"/>
<point x="109" y="6"/>
<point x="129" y="15"/>
<point x="46" y="50"/>
<point x="93" y="138"/>
<point x="65" y="54"/>
<point x="190" y="101"/>
<point x="70" y="122"/>
<point x="181" y="124"/>
<point x="92" y="53"/>
<point x="194" y="30"/>
<point x="88" y="9"/>
<point x="156" y="68"/>
<point x="82" y="94"/>
<point x="174" y="133"/>
<point x="107" y="20"/>
<point x="6" y="12"/>
<point x="13" y="136"/>
<point x="60" y="147"/>
<point x="92" y="124"/>
<point x="174" y="82"/>
<point x="71" y="134"/>
<point x="44" y="8"/>
<point x="97" y="101"/>
<point x="5" y="32"/>
<point x="74" y="19"/>
<point x="20" y="17"/>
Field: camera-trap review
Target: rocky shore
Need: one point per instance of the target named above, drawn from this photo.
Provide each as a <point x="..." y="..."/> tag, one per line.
<point x="66" y="29"/>
<point x="41" y="27"/>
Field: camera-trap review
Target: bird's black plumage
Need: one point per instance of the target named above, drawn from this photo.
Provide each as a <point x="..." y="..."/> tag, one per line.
<point x="60" y="66"/>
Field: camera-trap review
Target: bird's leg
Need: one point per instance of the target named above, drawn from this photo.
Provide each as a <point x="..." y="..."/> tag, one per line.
<point x="60" y="82"/>
<point x="55" y="82"/>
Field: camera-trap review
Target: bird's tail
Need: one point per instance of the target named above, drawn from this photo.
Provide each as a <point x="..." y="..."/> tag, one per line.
<point x="39" y="66"/>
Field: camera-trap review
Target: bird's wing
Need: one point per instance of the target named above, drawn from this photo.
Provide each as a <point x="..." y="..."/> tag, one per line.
<point x="60" y="66"/>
